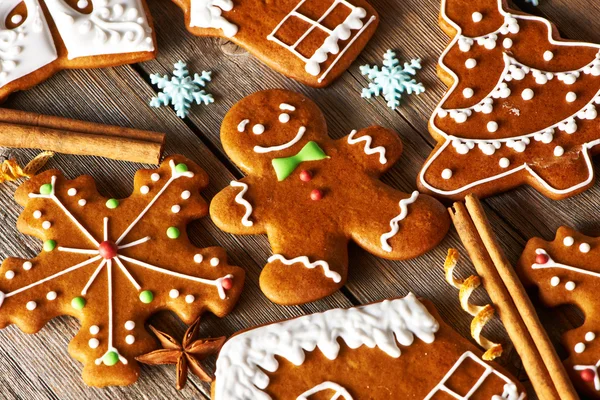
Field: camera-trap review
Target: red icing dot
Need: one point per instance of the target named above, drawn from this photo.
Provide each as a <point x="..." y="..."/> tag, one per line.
<point x="227" y="283"/>
<point x="316" y="194"/>
<point x="305" y="176"/>
<point x="588" y="375"/>
<point x="108" y="250"/>
<point x="541" y="259"/>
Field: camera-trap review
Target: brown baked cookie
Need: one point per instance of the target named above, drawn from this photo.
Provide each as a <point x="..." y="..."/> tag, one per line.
<point x="113" y="263"/>
<point x="311" y="195"/>
<point x="395" y="349"/>
<point x="41" y="37"/>
<point x="567" y="271"/>
<point x="521" y="108"/>
<point x="312" y="41"/>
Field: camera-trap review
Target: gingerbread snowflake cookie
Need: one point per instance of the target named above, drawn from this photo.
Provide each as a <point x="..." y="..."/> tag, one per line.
<point x="398" y="347"/>
<point x="521" y="108"/>
<point x="41" y="37"/>
<point x="567" y="271"/>
<point x="113" y="263"/>
<point x="313" y="42"/>
<point x="311" y="195"/>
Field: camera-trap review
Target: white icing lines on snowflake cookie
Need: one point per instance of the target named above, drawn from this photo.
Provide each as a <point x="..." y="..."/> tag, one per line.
<point x="108" y="251"/>
<point x="394" y="223"/>
<point x="208" y="14"/>
<point x="244" y="358"/>
<point x="306" y="262"/>
<point x="510" y="389"/>
<point x="342" y="32"/>
<point x="368" y="149"/>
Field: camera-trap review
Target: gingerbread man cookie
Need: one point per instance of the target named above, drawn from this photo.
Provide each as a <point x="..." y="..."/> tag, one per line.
<point x="311" y="195"/>
<point x="395" y="349"/>
<point x="311" y="41"/>
<point x="567" y="271"/>
<point x="521" y="108"/>
<point x="113" y="263"/>
<point x="41" y="37"/>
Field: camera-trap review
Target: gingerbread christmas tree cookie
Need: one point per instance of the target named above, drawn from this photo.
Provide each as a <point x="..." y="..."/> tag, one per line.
<point x="311" y="41"/>
<point x="311" y="195"/>
<point x="521" y="108"/>
<point x="113" y="263"/>
<point x="398" y="347"/>
<point x="567" y="271"/>
<point x="41" y="37"/>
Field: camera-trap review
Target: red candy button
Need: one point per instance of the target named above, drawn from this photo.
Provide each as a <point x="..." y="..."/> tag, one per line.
<point x="587" y="375"/>
<point x="541" y="259"/>
<point x="108" y="250"/>
<point x="305" y="176"/>
<point x="316" y="195"/>
<point x="227" y="283"/>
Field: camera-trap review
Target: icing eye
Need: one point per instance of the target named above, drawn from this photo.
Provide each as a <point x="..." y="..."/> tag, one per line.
<point x="258" y="129"/>
<point x="284" y="118"/>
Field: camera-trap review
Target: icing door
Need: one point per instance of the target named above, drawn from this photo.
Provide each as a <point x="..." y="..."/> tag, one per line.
<point x="28" y="46"/>
<point x="111" y="27"/>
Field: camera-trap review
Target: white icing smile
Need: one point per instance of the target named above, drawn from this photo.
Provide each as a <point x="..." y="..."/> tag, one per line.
<point x="262" y="150"/>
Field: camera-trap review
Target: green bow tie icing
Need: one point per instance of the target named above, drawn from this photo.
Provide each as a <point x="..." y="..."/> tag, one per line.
<point x="285" y="166"/>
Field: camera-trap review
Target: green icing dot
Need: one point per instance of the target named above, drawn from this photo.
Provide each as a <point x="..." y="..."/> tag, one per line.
<point x="146" y="296"/>
<point x="112" y="203"/>
<point x="78" y="303"/>
<point x="173" y="233"/>
<point x="49" y="245"/>
<point x="181" y="168"/>
<point x="46" y="189"/>
<point x="110" y="358"/>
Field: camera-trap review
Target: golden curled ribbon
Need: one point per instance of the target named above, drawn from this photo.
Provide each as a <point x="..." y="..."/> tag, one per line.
<point x="481" y="314"/>
<point x="10" y="170"/>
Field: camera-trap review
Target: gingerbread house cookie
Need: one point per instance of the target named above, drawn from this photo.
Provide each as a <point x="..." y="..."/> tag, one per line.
<point x="311" y="195"/>
<point x="113" y="263"/>
<point x="396" y="349"/>
<point x="566" y="271"/>
<point x="312" y="41"/>
<point x="521" y="108"/>
<point x="41" y="37"/>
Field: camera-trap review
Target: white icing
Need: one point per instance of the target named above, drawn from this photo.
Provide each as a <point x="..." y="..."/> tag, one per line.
<point x="504" y="162"/>
<point x="113" y="27"/>
<point x="579" y="348"/>
<point x="548" y="55"/>
<point x="130" y="339"/>
<point x="284" y="118"/>
<point x="571" y="97"/>
<point x="527" y="94"/>
<point x="258" y="129"/>
<point x="594" y="368"/>
<point x="394" y="222"/>
<point x="174" y="293"/>
<point x="26" y="48"/>
<point x="468" y="93"/>
<point x="368" y="149"/>
<point x="568" y="241"/>
<point x="262" y="150"/>
<point x="94" y="329"/>
<point x="51" y="296"/>
<point x="447" y="173"/>
<point x="82" y="202"/>
<point x="584" y="247"/>
<point x="94" y="343"/>
<point x="144" y="189"/>
<point x="287" y="107"/>
<point x="208" y="14"/>
<point x="555" y="281"/>
<point x="176" y="208"/>
<point x="214" y="261"/>
<point x="31" y="305"/>
<point x="37" y="214"/>
<point x="244" y="358"/>
<point x="9" y="274"/>
<point x="331" y="45"/>
<point x="198" y="258"/>
<point x="155" y="177"/>
<point x="590" y="336"/>
<point x="186" y="194"/>
<point x="239" y="198"/>
<point x="553" y="264"/>
<point x="340" y="392"/>
<point x="16" y="19"/>
<point x="570" y="286"/>
<point x="46" y="225"/>
<point x="471" y="63"/>
<point x="72" y="192"/>
<point x="189" y="299"/>
<point x="492" y="126"/>
<point x="242" y="125"/>
<point x="334" y="276"/>
<point x="559" y="151"/>
<point x="510" y="389"/>
<point x="507" y="43"/>
<point x="513" y="70"/>
<point x="477" y="17"/>
<point x="130" y="325"/>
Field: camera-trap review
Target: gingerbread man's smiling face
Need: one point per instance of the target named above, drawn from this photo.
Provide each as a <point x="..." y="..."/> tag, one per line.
<point x="270" y="125"/>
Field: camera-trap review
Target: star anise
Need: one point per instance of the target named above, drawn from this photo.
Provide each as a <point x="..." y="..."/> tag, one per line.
<point x="188" y="354"/>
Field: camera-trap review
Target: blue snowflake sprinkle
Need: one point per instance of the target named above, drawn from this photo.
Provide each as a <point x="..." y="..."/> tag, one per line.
<point x="181" y="90"/>
<point x="392" y="80"/>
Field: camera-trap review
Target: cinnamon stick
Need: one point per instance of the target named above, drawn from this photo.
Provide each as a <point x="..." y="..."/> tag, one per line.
<point x="523" y="342"/>
<point x="521" y="300"/>
<point x="19" y="129"/>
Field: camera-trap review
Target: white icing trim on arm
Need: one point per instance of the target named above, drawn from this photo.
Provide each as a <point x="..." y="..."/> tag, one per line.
<point x="240" y="200"/>
<point x="394" y="222"/>
<point x="368" y="149"/>
<point x="207" y="14"/>
<point x="243" y="358"/>
<point x="337" y="278"/>
<point x="262" y="150"/>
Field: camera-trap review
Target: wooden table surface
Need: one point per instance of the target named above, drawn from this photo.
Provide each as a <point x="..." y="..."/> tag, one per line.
<point x="38" y="366"/>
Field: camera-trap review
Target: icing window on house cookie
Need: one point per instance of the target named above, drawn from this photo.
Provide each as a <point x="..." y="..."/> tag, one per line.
<point x="112" y="27"/>
<point x="510" y="389"/>
<point x="355" y="21"/>
<point x="28" y="46"/>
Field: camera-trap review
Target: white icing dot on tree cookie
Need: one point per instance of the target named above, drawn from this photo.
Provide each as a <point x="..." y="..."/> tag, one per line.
<point x="568" y="241"/>
<point x="504" y="162"/>
<point x="468" y="93"/>
<point x="477" y="17"/>
<point x="471" y="63"/>
<point x="130" y="339"/>
<point x="558" y="151"/>
<point x="94" y="329"/>
<point x="144" y="189"/>
<point x="31" y="305"/>
<point x="548" y="55"/>
<point x="198" y="258"/>
<point x="37" y="214"/>
<point x="570" y="286"/>
<point x="51" y="296"/>
<point x="155" y="177"/>
<point x="571" y="97"/>
<point x="507" y="43"/>
<point x="185" y="194"/>
<point x="447" y="173"/>
<point x="72" y="192"/>
<point x="492" y="126"/>
<point x="94" y="343"/>
<point x="584" y="247"/>
<point x="174" y="293"/>
<point x="9" y="274"/>
<point x="175" y="209"/>
<point x="189" y="299"/>
<point x="130" y="325"/>
<point x="527" y="94"/>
